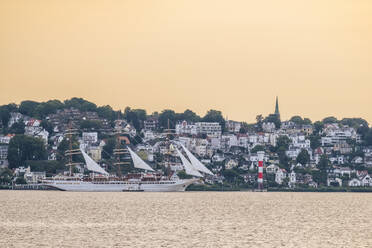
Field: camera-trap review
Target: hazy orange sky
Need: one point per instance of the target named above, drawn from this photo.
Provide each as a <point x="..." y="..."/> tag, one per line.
<point x="231" y="55"/>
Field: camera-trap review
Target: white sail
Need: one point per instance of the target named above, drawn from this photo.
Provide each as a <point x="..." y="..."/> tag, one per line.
<point x="92" y="165"/>
<point x="138" y="162"/>
<point x="190" y="170"/>
<point x="196" y="163"/>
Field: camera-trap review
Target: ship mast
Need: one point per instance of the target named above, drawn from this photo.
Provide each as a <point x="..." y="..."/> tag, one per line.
<point x="168" y="132"/>
<point x="70" y="152"/>
<point x="118" y="152"/>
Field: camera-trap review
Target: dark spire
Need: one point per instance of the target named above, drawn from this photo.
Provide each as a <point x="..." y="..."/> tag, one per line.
<point x="277" y="107"/>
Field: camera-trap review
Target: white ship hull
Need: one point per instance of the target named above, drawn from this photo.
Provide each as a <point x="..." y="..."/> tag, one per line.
<point x="119" y="186"/>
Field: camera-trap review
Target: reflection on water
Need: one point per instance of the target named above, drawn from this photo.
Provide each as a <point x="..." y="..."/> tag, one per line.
<point x="190" y="219"/>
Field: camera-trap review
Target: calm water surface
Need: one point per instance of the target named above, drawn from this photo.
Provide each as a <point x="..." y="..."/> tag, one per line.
<point x="191" y="219"/>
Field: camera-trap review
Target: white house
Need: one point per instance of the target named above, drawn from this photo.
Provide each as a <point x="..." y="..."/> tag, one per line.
<point x="366" y="181"/>
<point x="90" y="137"/>
<point x="186" y="128"/>
<point x="272" y="169"/>
<point x="334" y="180"/>
<point x="3" y="152"/>
<point x="233" y="126"/>
<point x="148" y="134"/>
<point x="5" y="139"/>
<point x="292" y="179"/>
<point x="231" y="163"/>
<point x="34" y="176"/>
<point x="37" y="132"/>
<point x="357" y="160"/>
<point x="355" y="183"/>
<point x="33" y="122"/>
<point x="268" y="127"/>
<point x="280" y="175"/>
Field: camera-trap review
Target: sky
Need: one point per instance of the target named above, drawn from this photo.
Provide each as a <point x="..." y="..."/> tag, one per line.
<point x="232" y="55"/>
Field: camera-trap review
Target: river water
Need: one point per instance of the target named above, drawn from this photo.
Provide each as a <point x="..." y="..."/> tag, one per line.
<point x="190" y="219"/>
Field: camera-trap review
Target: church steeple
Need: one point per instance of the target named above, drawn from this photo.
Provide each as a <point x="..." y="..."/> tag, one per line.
<point x="277" y="107"/>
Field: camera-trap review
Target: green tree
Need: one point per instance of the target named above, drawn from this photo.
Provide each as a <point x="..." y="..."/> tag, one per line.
<point x="230" y="175"/>
<point x="330" y="120"/>
<point x="363" y="130"/>
<point x="244" y="128"/>
<point x="274" y="119"/>
<point x="318" y="127"/>
<point x="283" y="158"/>
<point x="5" y="111"/>
<point x="297" y="120"/>
<point x="17" y="128"/>
<point x="135" y="117"/>
<point x="141" y="114"/>
<point x="107" y="112"/>
<point x="81" y="104"/>
<point x="49" y="166"/>
<point x="319" y="177"/>
<point x="47" y="125"/>
<point x="90" y="125"/>
<point x="303" y="157"/>
<point x="354" y="122"/>
<point x="22" y="148"/>
<point x="258" y="148"/>
<point x="5" y="176"/>
<point x="282" y="145"/>
<point x="20" y="180"/>
<point x="108" y="148"/>
<point x="214" y="116"/>
<point x="182" y="175"/>
<point x="46" y="108"/>
<point x="368" y="138"/>
<point x="324" y="163"/>
<point x="165" y="116"/>
<point x="28" y="107"/>
<point x="283" y="141"/>
<point x="259" y="122"/>
<point x="188" y="116"/>
<point x="64" y="145"/>
<point x="315" y="141"/>
<point x="307" y="121"/>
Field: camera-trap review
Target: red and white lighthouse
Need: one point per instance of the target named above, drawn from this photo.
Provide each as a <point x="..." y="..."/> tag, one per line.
<point x="260" y="169"/>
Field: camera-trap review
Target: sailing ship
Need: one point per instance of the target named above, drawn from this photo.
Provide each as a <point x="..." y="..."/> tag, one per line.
<point x="100" y="180"/>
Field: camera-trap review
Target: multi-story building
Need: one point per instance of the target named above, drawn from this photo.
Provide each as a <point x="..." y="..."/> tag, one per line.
<point x="336" y="135"/>
<point x="186" y="128"/>
<point x="90" y="137"/>
<point x="5" y="139"/>
<point x="151" y="123"/>
<point x="212" y="129"/>
<point x="233" y="126"/>
<point x="3" y="152"/>
<point x="268" y="126"/>
<point x="307" y="129"/>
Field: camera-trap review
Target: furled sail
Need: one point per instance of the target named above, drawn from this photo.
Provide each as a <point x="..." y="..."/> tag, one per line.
<point x="190" y="170"/>
<point x="92" y="165"/>
<point x="138" y="162"/>
<point x="196" y="163"/>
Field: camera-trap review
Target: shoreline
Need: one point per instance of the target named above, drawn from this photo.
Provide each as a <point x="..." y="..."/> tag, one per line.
<point x="320" y="190"/>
